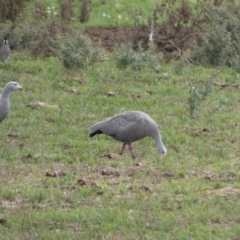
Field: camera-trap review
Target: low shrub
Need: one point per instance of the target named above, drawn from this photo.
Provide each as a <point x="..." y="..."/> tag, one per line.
<point x="219" y="46"/>
<point x="79" y="51"/>
<point x="137" y="59"/>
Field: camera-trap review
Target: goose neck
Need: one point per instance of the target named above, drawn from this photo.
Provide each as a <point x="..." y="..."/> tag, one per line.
<point x="5" y="94"/>
<point x="160" y="146"/>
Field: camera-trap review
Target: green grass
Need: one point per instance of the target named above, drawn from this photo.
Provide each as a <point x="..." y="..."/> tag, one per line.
<point x="57" y="183"/>
<point x="121" y="11"/>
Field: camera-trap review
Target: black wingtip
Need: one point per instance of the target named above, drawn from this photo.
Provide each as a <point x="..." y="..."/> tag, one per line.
<point x="95" y="133"/>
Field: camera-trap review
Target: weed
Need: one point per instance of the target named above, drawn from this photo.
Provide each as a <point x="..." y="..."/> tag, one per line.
<point x="198" y="92"/>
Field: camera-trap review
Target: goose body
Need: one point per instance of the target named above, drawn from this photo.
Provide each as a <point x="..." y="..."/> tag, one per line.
<point x="4" y="98"/>
<point x="128" y="127"/>
<point x="5" y="51"/>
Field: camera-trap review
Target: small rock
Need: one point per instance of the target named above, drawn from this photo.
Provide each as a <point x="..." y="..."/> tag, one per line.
<point x="111" y="94"/>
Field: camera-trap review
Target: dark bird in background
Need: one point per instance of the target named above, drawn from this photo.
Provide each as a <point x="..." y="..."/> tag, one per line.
<point x="5" y="51"/>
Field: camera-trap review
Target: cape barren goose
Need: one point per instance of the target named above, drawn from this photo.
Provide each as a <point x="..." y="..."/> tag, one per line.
<point x="128" y="127"/>
<point x="4" y="99"/>
<point x="5" y="51"/>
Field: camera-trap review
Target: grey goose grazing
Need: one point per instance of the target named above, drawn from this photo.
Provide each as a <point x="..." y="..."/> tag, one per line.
<point x="4" y="99"/>
<point x="5" y="51"/>
<point x="128" y="127"/>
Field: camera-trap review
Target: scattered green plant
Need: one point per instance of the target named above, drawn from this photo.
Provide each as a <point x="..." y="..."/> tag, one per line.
<point x="198" y="92"/>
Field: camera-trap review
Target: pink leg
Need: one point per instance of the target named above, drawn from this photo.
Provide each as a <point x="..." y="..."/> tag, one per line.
<point x="122" y="149"/>
<point x="131" y="150"/>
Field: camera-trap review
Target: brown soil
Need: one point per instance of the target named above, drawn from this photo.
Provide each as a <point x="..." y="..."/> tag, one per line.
<point x="110" y="37"/>
<point x="166" y="40"/>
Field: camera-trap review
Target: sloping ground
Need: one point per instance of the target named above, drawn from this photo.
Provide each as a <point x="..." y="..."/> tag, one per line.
<point x="165" y="39"/>
<point x="110" y="37"/>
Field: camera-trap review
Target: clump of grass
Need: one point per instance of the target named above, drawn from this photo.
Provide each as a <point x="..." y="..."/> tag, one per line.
<point x="35" y="196"/>
<point x="7" y="194"/>
<point x="137" y="59"/>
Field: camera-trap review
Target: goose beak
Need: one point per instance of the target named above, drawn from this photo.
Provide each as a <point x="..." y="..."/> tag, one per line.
<point x="163" y="151"/>
<point x="19" y="87"/>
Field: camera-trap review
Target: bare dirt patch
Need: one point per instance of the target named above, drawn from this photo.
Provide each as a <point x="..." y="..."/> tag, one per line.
<point x="224" y="192"/>
<point x="110" y="37"/>
<point x="166" y="40"/>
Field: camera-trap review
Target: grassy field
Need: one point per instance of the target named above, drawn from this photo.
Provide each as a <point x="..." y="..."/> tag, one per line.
<point x="57" y="183"/>
<point x="121" y="12"/>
